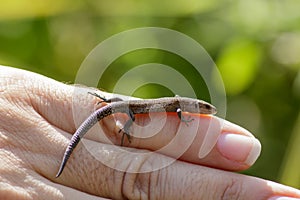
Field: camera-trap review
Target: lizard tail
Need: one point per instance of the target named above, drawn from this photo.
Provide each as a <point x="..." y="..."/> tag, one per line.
<point x="74" y="141"/>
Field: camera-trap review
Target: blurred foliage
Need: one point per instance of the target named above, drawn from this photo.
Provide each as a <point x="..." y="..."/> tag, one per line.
<point x="255" y="44"/>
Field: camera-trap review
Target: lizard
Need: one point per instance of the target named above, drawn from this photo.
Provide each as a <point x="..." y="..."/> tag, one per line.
<point x="131" y="107"/>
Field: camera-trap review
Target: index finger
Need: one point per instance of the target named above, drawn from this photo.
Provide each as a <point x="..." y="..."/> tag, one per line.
<point x="205" y="140"/>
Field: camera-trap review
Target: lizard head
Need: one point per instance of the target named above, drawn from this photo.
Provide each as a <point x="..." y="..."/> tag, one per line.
<point x="196" y="106"/>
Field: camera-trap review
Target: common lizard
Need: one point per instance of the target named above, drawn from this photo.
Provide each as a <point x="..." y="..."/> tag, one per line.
<point x="131" y="107"/>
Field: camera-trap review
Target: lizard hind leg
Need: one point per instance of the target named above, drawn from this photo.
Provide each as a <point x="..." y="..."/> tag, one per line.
<point x="125" y="131"/>
<point x="103" y="99"/>
<point x="126" y="128"/>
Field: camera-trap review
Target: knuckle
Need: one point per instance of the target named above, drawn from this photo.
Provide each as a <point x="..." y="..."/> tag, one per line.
<point x="140" y="182"/>
<point x="136" y="185"/>
<point x="232" y="190"/>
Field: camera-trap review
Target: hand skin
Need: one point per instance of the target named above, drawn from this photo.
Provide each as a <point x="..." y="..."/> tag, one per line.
<point x="38" y="117"/>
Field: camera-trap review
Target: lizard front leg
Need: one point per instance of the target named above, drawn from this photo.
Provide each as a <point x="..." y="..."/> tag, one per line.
<point x="179" y="114"/>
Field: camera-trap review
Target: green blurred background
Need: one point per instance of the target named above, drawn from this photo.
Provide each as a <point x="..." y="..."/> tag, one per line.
<point x="255" y="44"/>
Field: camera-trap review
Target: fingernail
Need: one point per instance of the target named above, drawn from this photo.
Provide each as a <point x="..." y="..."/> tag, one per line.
<point x="282" y="198"/>
<point x="239" y="148"/>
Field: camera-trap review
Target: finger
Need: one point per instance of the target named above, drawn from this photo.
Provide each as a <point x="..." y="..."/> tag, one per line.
<point x="211" y="141"/>
<point x="207" y="183"/>
<point x="225" y="185"/>
<point x="207" y="140"/>
<point x="177" y="180"/>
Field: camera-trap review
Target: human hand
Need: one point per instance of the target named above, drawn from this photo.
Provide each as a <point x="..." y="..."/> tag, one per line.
<point x="38" y="117"/>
